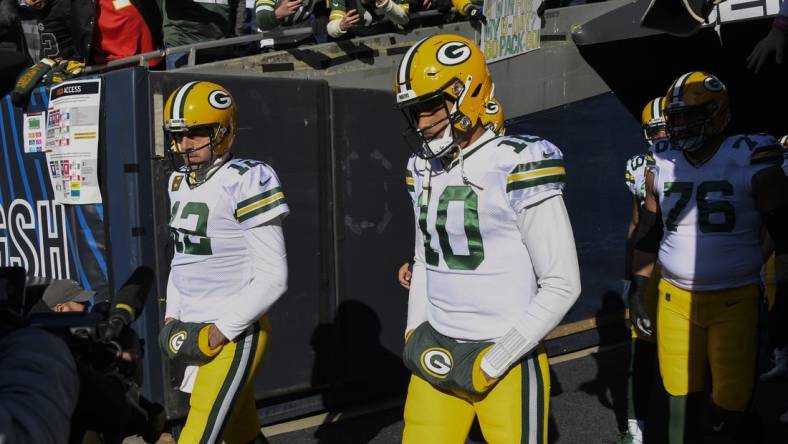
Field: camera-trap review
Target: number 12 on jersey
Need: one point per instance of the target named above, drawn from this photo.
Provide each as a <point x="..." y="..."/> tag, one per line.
<point x="470" y="203"/>
<point x="198" y="211"/>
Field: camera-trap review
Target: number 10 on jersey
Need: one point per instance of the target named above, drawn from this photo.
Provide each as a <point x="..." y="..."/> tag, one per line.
<point x="470" y="202"/>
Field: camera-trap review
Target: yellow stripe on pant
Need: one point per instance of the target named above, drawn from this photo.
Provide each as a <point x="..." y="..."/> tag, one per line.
<point x="515" y="410"/>
<point x="222" y="404"/>
<point x="715" y="327"/>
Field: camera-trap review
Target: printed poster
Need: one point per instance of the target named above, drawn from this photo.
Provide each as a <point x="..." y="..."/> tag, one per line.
<point x="33" y="127"/>
<point x="512" y="28"/>
<point x="72" y="131"/>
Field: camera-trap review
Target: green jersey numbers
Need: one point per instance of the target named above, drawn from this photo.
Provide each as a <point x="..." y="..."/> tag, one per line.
<point x="195" y="240"/>
<point x="519" y="143"/>
<point x="459" y="195"/>
<point x="714" y="215"/>
<point x="244" y="165"/>
<point x="663" y="145"/>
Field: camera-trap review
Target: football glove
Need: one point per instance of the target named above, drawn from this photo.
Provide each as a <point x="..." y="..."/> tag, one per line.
<point x="637" y="309"/>
<point x="187" y="342"/>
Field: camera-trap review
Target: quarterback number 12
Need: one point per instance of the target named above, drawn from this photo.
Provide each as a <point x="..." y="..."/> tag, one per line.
<point x="470" y="202"/>
<point x="706" y="207"/>
<point x="183" y="242"/>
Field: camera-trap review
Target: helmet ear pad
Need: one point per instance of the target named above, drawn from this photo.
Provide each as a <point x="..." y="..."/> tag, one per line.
<point x="223" y="140"/>
<point x="468" y="108"/>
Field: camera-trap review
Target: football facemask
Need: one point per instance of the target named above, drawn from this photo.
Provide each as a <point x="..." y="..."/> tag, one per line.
<point x="186" y="160"/>
<point x="439" y="137"/>
<point x="686" y="127"/>
<point x="653" y="133"/>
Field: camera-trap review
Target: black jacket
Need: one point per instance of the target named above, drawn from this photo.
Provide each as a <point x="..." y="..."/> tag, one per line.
<point x="11" y="35"/>
<point x="53" y="28"/>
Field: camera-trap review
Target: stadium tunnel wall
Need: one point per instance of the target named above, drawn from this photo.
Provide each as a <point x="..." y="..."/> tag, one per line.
<point x="338" y="331"/>
<point x="97" y="245"/>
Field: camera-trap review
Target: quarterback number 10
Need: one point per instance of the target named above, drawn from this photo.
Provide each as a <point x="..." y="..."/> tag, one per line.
<point x="706" y="207"/>
<point x="470" y="202"/>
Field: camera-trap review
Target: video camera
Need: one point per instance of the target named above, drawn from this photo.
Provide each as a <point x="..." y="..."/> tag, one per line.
<point x="87" y="332"/>
<point x="97" y="340"/>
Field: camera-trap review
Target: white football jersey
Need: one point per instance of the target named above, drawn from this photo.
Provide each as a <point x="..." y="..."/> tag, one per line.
<point x="635" y="176"/>
<point x="711" y="224"/>
<point x="211" y="261"/>
<point x="785" y="162"/>
<point x="479" y="276"/>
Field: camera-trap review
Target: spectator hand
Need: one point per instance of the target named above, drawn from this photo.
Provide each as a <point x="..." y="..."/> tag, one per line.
<point x="287" y="8"/>
<point x="404" y="274"/>
<point x="349" y="20"/>
<point x="35" y="4"/>
<point x="774" y="42"/>
<point x="474" y="14"/>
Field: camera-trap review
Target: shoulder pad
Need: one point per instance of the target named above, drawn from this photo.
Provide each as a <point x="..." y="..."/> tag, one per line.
<point x="534" y="169"/>
<point x="529" y="153"/>
<point x="257" y="192"/>
<point x="756" y="149"/>
<point x="529" y="148"/>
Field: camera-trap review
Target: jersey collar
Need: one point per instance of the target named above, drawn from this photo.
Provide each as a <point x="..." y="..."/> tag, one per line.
<point x="487" y="136"/>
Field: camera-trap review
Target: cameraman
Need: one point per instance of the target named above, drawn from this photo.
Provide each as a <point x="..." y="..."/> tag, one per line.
<point x="38" y="387"/>
<point x="62" y="296"/>
<point x="109" y="372"/>
<point x="38" y="376"/>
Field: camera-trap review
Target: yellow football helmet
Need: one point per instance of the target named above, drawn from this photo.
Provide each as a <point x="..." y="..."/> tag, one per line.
<point x="201" y="105"/>
<point x="435" y="70"/>
<point x="492" y="118"/>
<point x="653" y="119"/>
<point x="697" y="109"/>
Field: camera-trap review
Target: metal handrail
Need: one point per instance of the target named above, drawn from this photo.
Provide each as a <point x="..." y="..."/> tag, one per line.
<point x="192" y="48"/>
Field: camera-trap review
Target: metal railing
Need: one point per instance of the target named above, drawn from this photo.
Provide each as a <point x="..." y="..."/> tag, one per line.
<point x="191" y="49"/>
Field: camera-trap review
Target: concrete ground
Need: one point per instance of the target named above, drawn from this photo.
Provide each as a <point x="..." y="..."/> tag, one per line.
<point x="587" y="405"/>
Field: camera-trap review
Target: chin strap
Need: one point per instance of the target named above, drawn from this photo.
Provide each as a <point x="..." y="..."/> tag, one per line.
<point x="465" y="179"/>
<point x="204" y="173"/>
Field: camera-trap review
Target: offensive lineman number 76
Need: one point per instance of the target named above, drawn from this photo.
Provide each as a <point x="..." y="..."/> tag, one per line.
<point x="706" y="207"/>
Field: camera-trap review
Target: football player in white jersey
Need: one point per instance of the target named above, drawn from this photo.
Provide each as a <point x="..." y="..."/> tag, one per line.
<point x="784" y="144"/>
<point x="229" y="265"/>
<point x="705" y="205"/>
<point x="492" y="119"/>
<point x="780" y="354"/>
<point x="495" y="266"/>
<point x="643" y="370"/>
